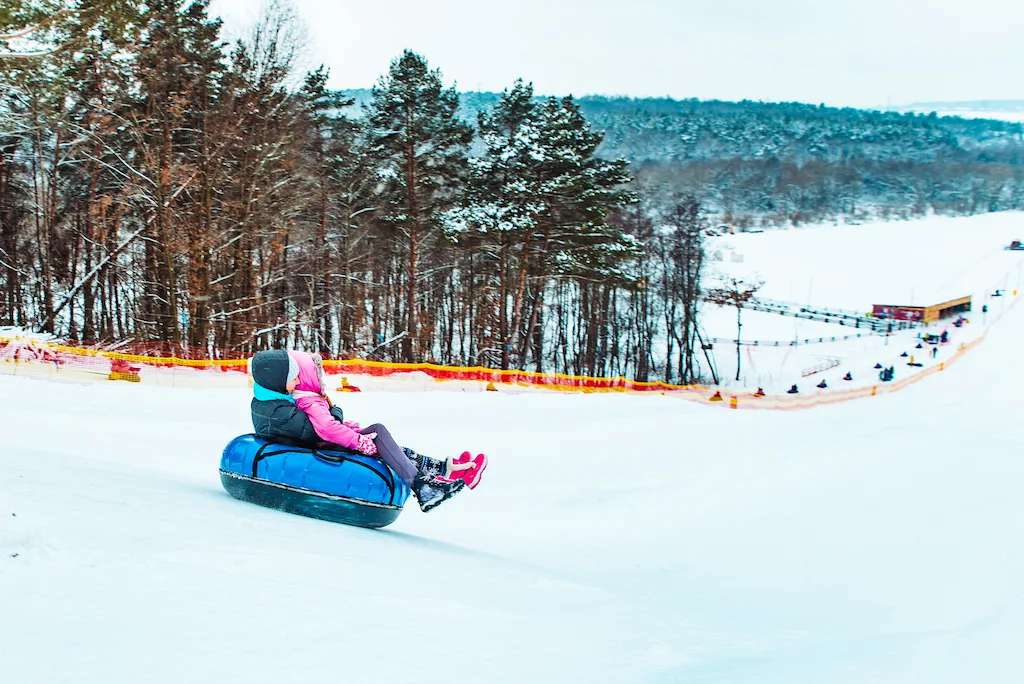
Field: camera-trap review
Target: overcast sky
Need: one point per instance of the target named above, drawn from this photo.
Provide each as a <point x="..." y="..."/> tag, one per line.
<point x="865" y="53"/>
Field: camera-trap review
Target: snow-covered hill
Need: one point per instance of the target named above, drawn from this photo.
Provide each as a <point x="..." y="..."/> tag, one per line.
<point x="852" y="267"/>
<point x="614" y="539"/>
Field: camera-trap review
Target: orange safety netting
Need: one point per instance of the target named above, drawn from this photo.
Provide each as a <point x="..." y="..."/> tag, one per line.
<point x="23" y="349"/>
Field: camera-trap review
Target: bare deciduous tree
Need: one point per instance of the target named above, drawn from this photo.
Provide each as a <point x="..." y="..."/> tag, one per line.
<point x="734" y="292"/>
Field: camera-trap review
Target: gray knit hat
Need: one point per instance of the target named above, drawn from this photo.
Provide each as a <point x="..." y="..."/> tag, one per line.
<point x="274" y="369"/>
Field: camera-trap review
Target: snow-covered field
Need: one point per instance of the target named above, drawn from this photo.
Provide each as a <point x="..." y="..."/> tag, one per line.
<point x="915" y="263"/>
<point x="911" y="263"/>
<point x="615" y="538"/>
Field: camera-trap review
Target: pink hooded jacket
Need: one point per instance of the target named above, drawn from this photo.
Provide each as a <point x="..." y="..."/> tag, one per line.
<point x="309" y="397"/>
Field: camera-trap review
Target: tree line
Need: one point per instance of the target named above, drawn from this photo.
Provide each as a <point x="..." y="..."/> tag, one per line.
<point x="158" y="185"/>
<point x="777" y="164"/>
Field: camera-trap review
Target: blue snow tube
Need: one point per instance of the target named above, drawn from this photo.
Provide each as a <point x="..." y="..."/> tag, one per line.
<point x="338" y="486"/>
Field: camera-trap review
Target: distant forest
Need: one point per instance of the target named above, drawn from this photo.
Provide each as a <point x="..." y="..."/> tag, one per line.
<point x="756" y="163"/>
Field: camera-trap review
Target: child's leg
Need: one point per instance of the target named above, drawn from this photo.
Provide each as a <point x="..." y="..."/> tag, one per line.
<point x="392" y="454"/>
<point x="447" y="468"/>
<point x="418" y="460"/>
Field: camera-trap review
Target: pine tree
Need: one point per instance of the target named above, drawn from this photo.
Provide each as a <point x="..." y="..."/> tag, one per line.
<point x="420" y="147"/>
<point x="578" y="191"/>
<point x="353" y="204"/>
<point x="502" y="211"/>
<point x="326" y="147"/>
<point x="503" y="185"/>
<point x="539" y="192"/>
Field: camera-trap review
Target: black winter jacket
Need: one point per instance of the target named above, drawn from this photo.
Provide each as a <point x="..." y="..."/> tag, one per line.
<point x="281" y="421"/>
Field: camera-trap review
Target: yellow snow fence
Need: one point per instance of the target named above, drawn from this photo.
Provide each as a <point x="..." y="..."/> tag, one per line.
<point x="45" y="360"/>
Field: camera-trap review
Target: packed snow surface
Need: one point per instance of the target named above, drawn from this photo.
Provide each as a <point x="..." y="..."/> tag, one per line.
<point x="614" y="538"/>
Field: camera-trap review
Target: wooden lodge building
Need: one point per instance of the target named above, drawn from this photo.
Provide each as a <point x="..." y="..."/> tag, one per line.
<point x="922" y="314"/>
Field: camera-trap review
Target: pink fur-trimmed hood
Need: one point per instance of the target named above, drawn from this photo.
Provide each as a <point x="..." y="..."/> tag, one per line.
<point x="310" y="397"/>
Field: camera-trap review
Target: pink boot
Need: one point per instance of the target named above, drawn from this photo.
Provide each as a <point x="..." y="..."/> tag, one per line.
<point x="469" y="469"/>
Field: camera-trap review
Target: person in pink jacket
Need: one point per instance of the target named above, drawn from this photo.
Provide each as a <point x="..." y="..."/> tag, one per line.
<point x="430" y="486"/>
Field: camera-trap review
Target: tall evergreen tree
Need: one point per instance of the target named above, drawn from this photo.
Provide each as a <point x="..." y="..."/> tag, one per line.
<point x="420" y="146"/>
<point x="502" y="209"/>
<point x="578" y="190"/>
<point x="542" y="195"/>
<point x="328" y="144"/>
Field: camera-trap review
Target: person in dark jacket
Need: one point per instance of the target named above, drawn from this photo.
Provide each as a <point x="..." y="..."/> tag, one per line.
<point x="275" y="417"/>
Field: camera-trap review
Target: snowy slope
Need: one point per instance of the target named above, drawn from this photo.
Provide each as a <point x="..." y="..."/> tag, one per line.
<point x="615" y="539"/>
<point x="910" y="263"/>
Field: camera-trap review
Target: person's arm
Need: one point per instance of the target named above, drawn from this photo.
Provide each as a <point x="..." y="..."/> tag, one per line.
<point x="329" y="429"/>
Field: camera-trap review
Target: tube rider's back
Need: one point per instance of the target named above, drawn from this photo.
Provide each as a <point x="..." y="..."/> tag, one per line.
<point x="275" y="417"/>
